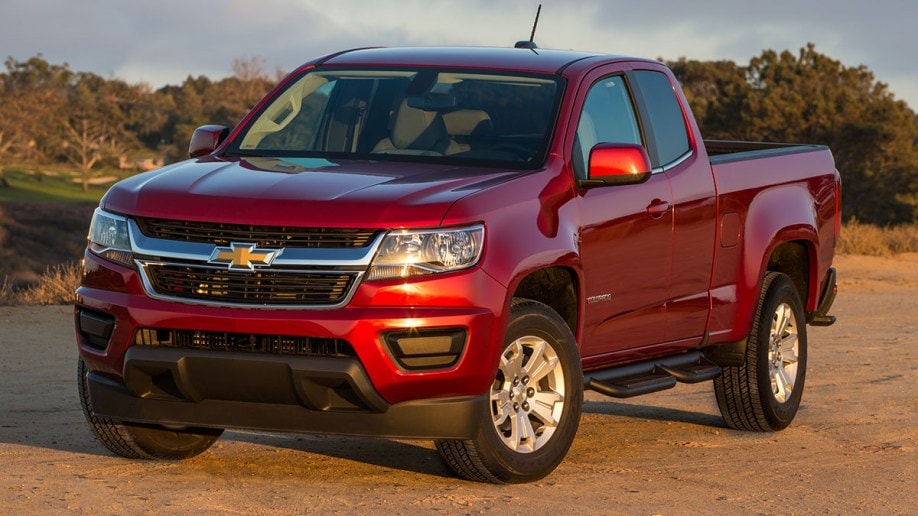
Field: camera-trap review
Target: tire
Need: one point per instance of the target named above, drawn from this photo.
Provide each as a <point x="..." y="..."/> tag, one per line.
<point x="137" y="441"/>
<point x="518" y="441"/>
<point x="764" y="394"/>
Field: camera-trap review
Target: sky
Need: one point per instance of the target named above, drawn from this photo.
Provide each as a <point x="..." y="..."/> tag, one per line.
<point x="164" y="41"/>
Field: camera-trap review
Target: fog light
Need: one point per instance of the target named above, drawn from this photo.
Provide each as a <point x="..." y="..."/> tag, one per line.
<point x="426" y="349"/>
<point x="95" y="328"/>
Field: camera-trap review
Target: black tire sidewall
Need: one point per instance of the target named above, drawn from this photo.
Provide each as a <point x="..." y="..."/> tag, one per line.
<point x="167" y="444"/>
<point x="134" y="440"/>
<point x="531" y="318"/>
<point x="779" y="415"/>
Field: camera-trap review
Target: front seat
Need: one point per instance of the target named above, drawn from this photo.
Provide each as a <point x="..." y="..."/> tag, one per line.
<point x="464" y="125"/>
<point x="415" y="131"/>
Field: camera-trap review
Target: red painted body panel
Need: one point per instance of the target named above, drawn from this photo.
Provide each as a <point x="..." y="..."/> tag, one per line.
<point x="331" y="194"/>
<point x="635" y="271"/>
<point x="781" y="199"/>
<point x="680" y="256"/>
<point x="694" y="234"/>
<point x="695" y="213"/>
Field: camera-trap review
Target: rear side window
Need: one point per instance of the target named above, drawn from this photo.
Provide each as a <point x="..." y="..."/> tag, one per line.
<point x="667" y="122"/>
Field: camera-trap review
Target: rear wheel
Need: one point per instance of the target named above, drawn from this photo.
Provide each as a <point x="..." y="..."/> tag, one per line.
<point x="764" y="393"/>
<point x="136" y="441"/>
<point x="534" y="407"/>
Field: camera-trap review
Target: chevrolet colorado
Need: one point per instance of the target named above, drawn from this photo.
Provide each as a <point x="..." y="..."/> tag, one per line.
<point x="452" y="244"/>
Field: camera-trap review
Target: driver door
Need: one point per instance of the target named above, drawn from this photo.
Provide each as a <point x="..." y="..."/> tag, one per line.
<point x="626" y="235"/>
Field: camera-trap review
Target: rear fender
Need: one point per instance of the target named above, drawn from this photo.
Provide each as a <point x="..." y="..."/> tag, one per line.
<point x="775" y="216"/>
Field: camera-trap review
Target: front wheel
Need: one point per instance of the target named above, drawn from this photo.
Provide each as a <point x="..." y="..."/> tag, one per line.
<point x="764" y="393"/>
<point x="136" y="441"/>
<point x="534" y="405"/>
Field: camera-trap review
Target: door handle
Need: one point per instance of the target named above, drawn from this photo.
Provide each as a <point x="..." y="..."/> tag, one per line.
<point x="657" y="208"/>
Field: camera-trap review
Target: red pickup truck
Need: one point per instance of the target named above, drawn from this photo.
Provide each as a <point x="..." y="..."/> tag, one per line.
<point x="452" y="244"/>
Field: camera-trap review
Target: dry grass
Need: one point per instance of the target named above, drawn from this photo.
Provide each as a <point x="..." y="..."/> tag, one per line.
<point x="55" y="286"/>
<point x="6" y="292"/>
<point x="865" y="239"/>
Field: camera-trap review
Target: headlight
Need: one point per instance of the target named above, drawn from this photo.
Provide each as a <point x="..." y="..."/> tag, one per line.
<point x="404" y="253"/>
<point x="108" y="237"/>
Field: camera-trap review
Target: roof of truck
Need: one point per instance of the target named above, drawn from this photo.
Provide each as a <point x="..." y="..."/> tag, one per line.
<point x="517" y="59"/>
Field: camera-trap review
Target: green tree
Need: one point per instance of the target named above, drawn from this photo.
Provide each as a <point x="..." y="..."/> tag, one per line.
<point x="48" y="112"/>
<point x="717" y="92"/>
<point x="199" y="101"/>
<point x="94" y="125"/>
<point x="809" y="97"/>
<point x="30" y="91"/>
<point x="12" y="134"/>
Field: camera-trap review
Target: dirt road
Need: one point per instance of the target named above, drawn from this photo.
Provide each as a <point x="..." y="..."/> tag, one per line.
<point x="852" y="448"/>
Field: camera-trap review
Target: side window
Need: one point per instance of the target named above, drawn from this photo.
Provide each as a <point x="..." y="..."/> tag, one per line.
<point x="666" y="120"/>
<point x="607" y="117"/>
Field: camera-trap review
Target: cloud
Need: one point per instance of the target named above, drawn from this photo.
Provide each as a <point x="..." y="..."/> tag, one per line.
<point x="165" y="41"/>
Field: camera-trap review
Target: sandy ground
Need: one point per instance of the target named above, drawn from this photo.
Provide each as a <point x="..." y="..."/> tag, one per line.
<point x="850" y="450"/>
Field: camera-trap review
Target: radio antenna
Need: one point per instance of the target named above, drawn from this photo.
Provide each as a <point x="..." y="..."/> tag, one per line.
<point x="535" y="24"/>
<point x="531" y="43"/>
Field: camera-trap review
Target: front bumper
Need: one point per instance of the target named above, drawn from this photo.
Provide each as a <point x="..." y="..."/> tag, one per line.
<point x="366" y="394"/>
<point x="290" y="394"/>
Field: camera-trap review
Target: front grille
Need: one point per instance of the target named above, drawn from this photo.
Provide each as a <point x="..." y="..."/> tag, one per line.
<point x="261" y="236"/>
<point x="256" y="288"/>
<point x="244" y="342"/>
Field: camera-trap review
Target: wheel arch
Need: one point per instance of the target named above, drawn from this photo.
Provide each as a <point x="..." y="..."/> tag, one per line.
<point x="555" y="286"/>
<point x="796" y="259"/>
<point x="780" y="235"/>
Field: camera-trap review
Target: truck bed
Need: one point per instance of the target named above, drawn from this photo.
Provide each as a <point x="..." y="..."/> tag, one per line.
<point x="762" y="189"/>
<point x="726" y="151"/>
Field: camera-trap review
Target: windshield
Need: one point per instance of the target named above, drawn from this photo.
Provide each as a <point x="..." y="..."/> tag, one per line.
<point x="424" y="114"/>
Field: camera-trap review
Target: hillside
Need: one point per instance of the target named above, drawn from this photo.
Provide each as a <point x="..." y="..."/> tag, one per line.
<point x="38" y="234"/>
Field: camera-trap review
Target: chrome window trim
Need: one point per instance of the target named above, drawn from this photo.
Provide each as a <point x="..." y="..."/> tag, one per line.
<point x="675" y="163"/>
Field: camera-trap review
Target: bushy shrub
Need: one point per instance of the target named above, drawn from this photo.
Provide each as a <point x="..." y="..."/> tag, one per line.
<point x="56" y="286"/>
<point x="867" y="239"/>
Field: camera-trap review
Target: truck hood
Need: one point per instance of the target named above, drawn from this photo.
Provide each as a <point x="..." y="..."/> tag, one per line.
<point x="301" y="192"/>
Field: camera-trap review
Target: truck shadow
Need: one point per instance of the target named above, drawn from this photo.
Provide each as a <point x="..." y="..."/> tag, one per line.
<point x="65" y="430"/>
<point x="356" y="452"/>
<point x="62" y="428"/>
<point x="614" y="408"/>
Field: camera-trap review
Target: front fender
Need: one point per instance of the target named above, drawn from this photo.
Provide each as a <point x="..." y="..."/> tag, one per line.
<point x="531" y="223"/>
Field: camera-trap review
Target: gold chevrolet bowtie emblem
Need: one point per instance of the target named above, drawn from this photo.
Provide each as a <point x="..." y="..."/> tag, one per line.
<point x="243" y="256"/>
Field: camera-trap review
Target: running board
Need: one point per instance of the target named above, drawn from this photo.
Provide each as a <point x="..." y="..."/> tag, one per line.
<point x="652" y="375"/>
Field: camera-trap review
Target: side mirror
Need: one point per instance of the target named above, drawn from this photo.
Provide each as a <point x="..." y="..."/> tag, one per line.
<point x="617" y="164"/>
<point x="206" y="139"/>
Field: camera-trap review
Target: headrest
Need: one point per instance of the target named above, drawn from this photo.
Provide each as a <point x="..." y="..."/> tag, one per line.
<point x="417" y="129"/>
<point x="464" y="122"/>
